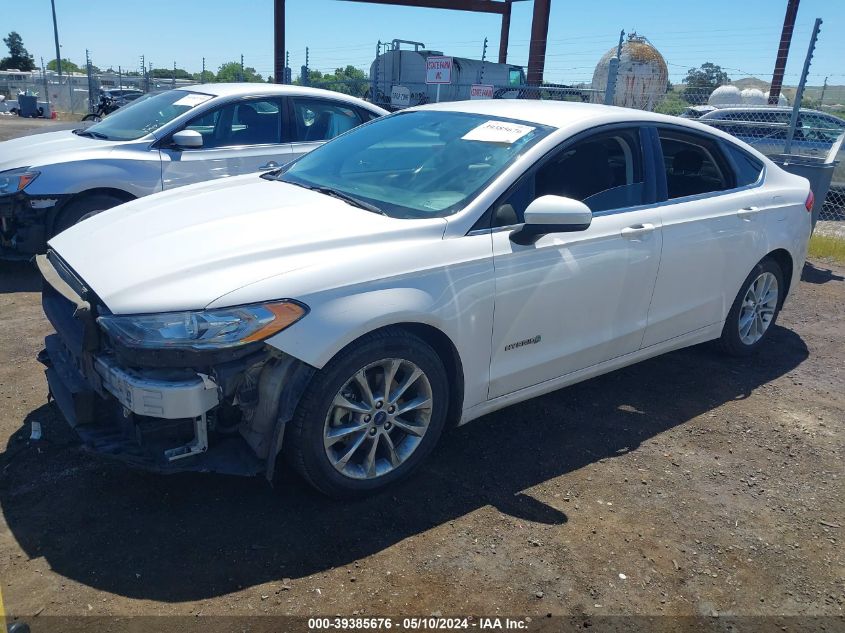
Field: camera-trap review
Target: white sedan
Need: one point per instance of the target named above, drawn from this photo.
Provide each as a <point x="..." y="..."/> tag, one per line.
<point x="423" y="269"/>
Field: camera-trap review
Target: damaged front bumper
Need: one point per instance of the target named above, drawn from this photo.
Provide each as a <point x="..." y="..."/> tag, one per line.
<point x="228" y="417"/>
<point x="25" y="222"/>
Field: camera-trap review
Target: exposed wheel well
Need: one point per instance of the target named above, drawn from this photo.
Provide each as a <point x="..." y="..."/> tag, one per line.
<point x="783" y="259"/>
<point x="450" y="358"/>
<point x="121" y="195"/>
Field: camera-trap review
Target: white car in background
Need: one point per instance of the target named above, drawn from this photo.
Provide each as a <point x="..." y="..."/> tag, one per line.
<point x="426" y="268"/>
<point x="51" y="181"/>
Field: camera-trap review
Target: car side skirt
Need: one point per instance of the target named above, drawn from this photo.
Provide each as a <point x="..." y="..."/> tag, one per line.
<point x="692" y="338"/>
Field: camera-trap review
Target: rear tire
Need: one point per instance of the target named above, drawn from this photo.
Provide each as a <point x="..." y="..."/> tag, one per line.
<point x="84" y="208"/>
<point x="365" y="443"/>
<point x="754" y="311"/>
<point x="96" y="118"/>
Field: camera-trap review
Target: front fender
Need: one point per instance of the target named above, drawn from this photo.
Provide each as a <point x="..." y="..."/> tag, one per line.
<point x="334" y="323"/>
<point x="137" y="177"/>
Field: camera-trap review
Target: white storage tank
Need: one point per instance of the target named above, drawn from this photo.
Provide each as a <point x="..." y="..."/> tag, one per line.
<point x="753" y="96"/>
<point x="642" y="77"/>
<point x="725" y="97"/>
<point x="782" y="100"/>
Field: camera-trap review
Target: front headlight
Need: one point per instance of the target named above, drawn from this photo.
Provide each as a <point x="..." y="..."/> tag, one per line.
<point x="16" y="180"/>
<point x="204" y="329"/>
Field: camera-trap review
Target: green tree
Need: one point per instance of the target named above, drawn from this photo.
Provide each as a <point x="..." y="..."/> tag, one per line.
<point x="231" y="72"/>
<point x="349" y="80"/>
<point x="701" y="81"/>
<point x="67" y="66"/>
<point x="205" y="77"/>
<point x="19" y="57"/>
<point x="167" y="73"/>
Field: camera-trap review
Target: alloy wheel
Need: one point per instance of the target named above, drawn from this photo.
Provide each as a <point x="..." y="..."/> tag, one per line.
<point x="758" y="308"/>
<point x="378" y="418"/>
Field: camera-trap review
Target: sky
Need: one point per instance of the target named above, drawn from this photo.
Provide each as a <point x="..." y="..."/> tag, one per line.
<point x="740" y="35"/>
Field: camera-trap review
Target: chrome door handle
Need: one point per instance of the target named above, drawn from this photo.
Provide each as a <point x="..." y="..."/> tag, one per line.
<point x="271" y="165"/>
<point x="638" y="230"/>
<point x="747" y="213"/>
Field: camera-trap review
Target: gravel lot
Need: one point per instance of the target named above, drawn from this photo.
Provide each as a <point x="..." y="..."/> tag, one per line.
<point x="689" y="484"/>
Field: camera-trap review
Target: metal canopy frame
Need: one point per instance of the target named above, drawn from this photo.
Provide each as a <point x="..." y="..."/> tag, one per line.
<point x="536" y="51"/>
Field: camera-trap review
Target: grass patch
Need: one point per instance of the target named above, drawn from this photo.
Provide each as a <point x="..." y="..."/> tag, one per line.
<point x="828" y="247"/>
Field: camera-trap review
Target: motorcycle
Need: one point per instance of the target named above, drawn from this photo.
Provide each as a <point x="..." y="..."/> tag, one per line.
<point x="106" y="105"/>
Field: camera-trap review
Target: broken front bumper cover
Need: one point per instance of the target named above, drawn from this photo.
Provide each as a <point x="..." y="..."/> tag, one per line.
<point x="157" y="419"/>
<point x="149" y="423"/>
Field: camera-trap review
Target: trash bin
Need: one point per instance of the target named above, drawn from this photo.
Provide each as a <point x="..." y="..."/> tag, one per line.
<point x="27" y="106"/>
<point x="817" y="170"/>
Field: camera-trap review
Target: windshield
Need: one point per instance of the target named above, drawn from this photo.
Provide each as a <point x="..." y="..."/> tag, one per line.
<point x="418" y="164"/>
<point x="146" y="115"/>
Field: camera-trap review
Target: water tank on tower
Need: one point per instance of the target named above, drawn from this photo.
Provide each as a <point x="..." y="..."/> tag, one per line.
<point x="642" y="77"/>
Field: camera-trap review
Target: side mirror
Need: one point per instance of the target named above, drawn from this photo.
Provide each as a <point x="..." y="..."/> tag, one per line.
<point x="190" y="139"/>
<point x="552" y="214"/>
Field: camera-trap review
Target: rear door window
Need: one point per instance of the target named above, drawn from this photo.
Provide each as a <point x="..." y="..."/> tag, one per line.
<point x="694" y="164"/>
<point x="321" y="120"/>
<point x="748" y="168"/>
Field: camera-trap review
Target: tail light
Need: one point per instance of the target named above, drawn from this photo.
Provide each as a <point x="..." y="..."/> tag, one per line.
<point x="811" y="200"/>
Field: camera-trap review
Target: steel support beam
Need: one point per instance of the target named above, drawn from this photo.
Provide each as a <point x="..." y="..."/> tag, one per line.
<point x="506" y="30"/>
<point x="537" y="48"/>
<point x="479" y="6"/>
<point x="783" y="50"/>
<point x="279" y="41"/>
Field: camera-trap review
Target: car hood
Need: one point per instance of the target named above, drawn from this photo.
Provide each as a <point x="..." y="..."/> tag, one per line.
<point x="47" y="148"/>
<point x="182" y="249"/>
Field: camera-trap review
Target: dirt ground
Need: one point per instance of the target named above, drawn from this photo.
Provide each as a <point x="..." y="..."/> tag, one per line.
<point x="689" y="484"/>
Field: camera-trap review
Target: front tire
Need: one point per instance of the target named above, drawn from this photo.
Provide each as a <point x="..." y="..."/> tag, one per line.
<point x="370" y="416"/>
<point x="755" y="310"/>
<point x="83" y="209"/>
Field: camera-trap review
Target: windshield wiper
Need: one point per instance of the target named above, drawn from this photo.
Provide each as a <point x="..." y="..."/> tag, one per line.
<point x="340" y="195"/>
<point x="91" y="134"/>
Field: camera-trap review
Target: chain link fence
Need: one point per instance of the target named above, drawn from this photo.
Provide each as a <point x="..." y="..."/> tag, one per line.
<point x="816" y="133"/>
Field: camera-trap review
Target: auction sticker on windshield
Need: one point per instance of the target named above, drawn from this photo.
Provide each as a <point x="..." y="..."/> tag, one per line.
<point x="192" y="100"/>
<point x="497" y="132"/>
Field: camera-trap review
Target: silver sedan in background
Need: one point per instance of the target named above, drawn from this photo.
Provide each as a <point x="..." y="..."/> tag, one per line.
<point x="49" y="182"/>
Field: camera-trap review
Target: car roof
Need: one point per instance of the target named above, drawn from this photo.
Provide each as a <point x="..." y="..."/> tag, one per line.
<point x="253" y="89"/>
<point x="560" y="114"/>
<point x="764" y="108"/>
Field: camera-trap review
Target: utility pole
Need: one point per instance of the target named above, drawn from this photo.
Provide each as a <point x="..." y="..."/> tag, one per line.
<point x="824" y="89"/>
<point x="287" y="67"/>
<point x="56" y="35"/>
<point x="783" y="50"/>
<point x="173" y="81"/>
<point x="202" y="75"/>
<point x="242" y="67"/>
<point x="119" y="77"/>
<point x="505" y="34"/>
<point x="90" y="81"/>
<point x="144" y="81"/>
<point x="44" y="78"/>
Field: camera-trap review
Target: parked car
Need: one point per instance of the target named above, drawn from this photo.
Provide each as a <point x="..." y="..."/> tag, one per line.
<point x="424" y="269"/>
<point x="766" y="127"/>
<point x="122" y="96"/>
<point x="49" y="182"/>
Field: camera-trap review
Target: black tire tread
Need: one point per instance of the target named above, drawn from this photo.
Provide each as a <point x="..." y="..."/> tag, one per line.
<point x="75" y="209"/>
<point x="729" y="343"/>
